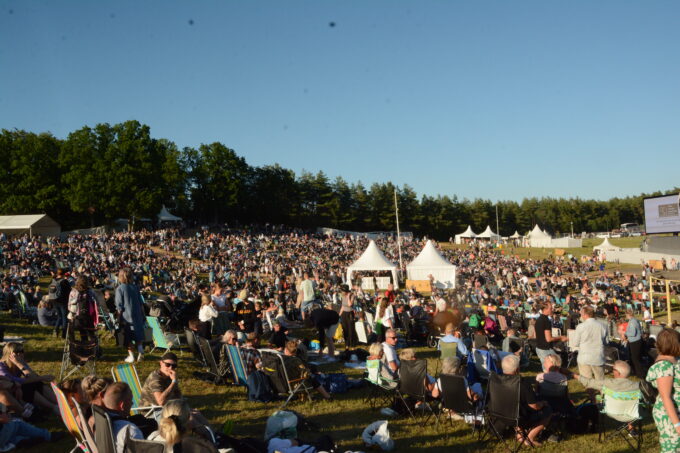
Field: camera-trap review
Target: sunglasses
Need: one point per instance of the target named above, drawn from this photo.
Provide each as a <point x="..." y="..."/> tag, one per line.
<point x="391" y="338"/>
<point x="170" y="365"/>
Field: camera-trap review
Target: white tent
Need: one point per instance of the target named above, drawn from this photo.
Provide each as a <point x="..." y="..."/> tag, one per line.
<point x="516" y="235"/>
<point x="431" y="262"/>
<point x="606" y="245"/>
<point x="488" y="234"/>
<point x="165" y="216"/>
<point x="467" y="234"/>
<point x="34" y="224"/>
<point x="538" y="238"/>
<point x="372" y="259"/>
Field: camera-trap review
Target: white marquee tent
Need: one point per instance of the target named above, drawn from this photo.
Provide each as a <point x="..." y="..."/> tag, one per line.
<point x="467" y="234"/>
<point x="606" y="246"/>
<point x="165" y="216"/>
<point x="516" y="235"/>
<point x="538" y="238"/>
<point x="488" y="234"/>
<point x="372" y="259"/>
<point x="431" y="262"/>
<point x="566" y="242"/>
<point x="34" y="224"/>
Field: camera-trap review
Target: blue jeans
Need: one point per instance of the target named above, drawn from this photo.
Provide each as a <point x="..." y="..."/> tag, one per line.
<point x="17" y="430"/>
<point x="61" y="319"/>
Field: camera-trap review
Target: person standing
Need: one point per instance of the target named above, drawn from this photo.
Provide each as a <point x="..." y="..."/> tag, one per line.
<point x="544" y="338"/>
<point x="634" y="336"/>
<point x="308" y="292"/>
<point x="59" y="291"/>
<point x="664" y="375"/>
<point x="82" y="310"/>
<point x="131" y="314"/>
<point x="590" y="337"/>
<point x="347" y="317"/>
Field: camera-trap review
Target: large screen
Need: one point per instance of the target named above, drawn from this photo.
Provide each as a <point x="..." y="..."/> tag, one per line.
<point x="662" y="214"/>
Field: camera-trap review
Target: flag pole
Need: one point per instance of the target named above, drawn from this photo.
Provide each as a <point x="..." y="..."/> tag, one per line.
<point x="396" y="214"/>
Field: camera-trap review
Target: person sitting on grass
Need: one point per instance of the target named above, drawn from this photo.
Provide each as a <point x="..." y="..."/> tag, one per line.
<point x="176" y="430"/>
<point x="35" y="388"/>
<point x="297" y="369"/>
<point x="16" y="433"/>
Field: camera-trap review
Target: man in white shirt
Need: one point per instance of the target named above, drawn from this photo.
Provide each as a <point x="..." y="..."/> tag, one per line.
<point x="390" y="357"/>
<point x="308" y="293"/>
<point x="590" y="337"/>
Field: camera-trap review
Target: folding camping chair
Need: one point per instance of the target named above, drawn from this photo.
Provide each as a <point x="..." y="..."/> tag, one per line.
<point x="624" y="408"/>
<point x="238" y="368"/>
<point x="446" y="350"/>
<point x="217" y="371"/>
<point x="192" y="342"/>
<point x="85" y="428"/>
<point x="412" y="376"/>
<point x="611" y="355"/>
<point x="288" y="375"/>
<point x="103" y="431"/>
<point x="70" y="421"/>
<point x="502" y="409"/>
<point x="143" y="446"/>
<point x="380" y="388"/>
<point x="25" y="311"/>
<point x="127" y="373"/>
<point x="78" y="356"/>
<point x="162" y="340"/>
<point x="480" y="365"/>
<point x="455" y="399"/>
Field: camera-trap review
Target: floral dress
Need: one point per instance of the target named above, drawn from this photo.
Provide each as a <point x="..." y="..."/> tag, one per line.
<point x="669" y="439"/>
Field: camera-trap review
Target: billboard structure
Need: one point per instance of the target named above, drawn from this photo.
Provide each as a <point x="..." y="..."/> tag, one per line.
<point x="662" y="214"/>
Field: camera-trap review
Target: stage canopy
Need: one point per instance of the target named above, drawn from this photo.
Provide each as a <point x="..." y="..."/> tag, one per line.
<point x="372" y="259"/>
<point x="34" y="224"/>
<point x="431" y="262"/>
<point x="488" y="234"/>
<point x="165" y="216"/>
<point x="467" y="234"/>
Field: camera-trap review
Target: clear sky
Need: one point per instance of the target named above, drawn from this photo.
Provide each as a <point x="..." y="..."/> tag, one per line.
<point x="493" y="99"/>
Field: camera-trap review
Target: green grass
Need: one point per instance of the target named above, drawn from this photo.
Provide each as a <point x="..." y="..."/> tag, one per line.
<point x="343" y="418"/>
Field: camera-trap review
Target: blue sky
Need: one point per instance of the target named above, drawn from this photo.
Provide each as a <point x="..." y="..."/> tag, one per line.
<point x="492" y="99"/>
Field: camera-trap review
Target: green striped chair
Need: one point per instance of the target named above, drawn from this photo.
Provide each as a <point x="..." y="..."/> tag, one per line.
<point x="237" y="367"/>
<point x="624" y="409"/>
<point x="162" y="340"/>
<point x="127" y="373"/>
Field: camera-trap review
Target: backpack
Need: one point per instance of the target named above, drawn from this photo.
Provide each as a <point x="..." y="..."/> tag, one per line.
<point x="259" y="388"/>
<point x="474" y="321"/>
<point x="83" y="305"/>
<point x="53" y="289"/>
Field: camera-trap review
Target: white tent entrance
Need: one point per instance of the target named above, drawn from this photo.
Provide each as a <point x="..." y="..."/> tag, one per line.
<point x="373" y="259"/>
<point x="467" y="234"/>
<point x="431" y="262"/>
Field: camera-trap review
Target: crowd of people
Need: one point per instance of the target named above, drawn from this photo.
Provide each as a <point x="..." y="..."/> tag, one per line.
<point x="255" y="287"/>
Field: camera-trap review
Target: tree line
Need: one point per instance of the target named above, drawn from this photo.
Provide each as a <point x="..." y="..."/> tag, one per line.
<point x="98" y="174"/>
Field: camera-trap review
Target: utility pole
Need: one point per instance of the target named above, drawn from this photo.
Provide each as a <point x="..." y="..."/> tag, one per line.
<point x="498" y="231"/>
<point x="396" y="214"/>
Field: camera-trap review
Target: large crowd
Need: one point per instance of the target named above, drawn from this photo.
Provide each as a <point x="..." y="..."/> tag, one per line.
<point x="256" y="287"/>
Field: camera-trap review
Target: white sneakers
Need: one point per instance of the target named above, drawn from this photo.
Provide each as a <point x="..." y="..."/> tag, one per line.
<point x="130" y="358"/>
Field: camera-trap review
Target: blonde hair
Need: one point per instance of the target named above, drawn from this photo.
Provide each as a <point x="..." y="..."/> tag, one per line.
<point x="94" y="386"/>
<point x="174" y="422"/>
<point x="45" y="302"/>
<point x="125" y="275"/>
<point x="205" y="300"/>
<point x="375" y="349"/>
<point x="7" y="351"/>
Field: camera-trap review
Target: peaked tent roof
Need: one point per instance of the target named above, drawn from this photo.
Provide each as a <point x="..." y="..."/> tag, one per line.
<point x="516" y="235"/>
<point x="373" y="258"/>
<point x="606" y="245"/>
<point x="430" y="257"/>
<point x="537" y="233"/>
<point x="488" y="233"/>
<point x="165" y="216"/>
<point x="467" y="233"/>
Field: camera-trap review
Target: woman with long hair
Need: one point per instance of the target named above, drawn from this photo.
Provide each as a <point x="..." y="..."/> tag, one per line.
<point x="35" y="388"/>
<point x="83" y="314"/>
<point x="664" y="374"/>
<point x="131" y="314"/>
<point x="384" y="318"/>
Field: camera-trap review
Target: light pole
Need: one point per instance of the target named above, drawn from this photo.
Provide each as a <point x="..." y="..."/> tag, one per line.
<point x="572" y="228"/>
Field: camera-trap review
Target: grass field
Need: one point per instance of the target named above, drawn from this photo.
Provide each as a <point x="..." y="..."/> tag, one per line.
<point x="343" y="418"/>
